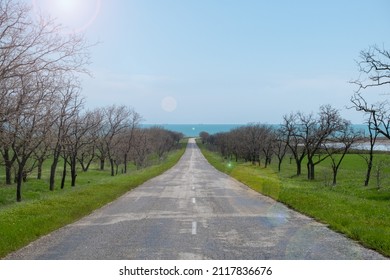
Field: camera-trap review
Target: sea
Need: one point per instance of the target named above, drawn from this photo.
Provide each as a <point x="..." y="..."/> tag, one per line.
<point x="193" y="130"/>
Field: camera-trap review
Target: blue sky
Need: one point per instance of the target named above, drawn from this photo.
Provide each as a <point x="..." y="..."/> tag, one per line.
<point x="225" y="61"/>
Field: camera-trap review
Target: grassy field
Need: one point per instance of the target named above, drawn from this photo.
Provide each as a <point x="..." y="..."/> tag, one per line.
<point x="43" y="211"/>
<point x="362" y="213"/>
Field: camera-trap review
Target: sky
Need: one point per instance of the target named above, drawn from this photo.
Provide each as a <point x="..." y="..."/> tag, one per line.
<point x="224" y="61"/>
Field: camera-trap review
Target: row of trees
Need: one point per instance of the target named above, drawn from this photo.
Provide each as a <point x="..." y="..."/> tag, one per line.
<point x="315" y="137"/>
<point x="38" y="67"/>
<point x="302" y="136"/>
<point x="42" y="114"/>
<point x="66" y="133"/>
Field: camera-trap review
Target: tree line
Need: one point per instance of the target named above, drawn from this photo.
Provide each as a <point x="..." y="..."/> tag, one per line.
<point x="42" y="113"/>
<point x="316" y="137"/>
<point x="302" y="136"/>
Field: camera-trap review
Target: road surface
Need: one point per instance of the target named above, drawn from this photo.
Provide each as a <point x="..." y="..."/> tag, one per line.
<point x="194" y="212"/>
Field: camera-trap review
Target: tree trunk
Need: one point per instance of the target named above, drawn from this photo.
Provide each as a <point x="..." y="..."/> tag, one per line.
<point x="8" y="167"/>
<point x="299" y="167"/>
<point x="102" y="161"/>
<point x="40" y="163"/>
<point x="85" y="166"/>
<point x="63" y="174"/>
<point x="73" y="171"/>
<point x="369" y="168"/>
<point x="310" y="170"/>
<point x="368" y="174"/>
<point x="125" y="163"/>
<point x="280" y="160"/>
<point x="19" y="180"/>
<point x="112" y="167"/>
<point x="8" y="173"/>
<point x="85" y="163"/>
<point x="53" y="169"/>
<point x="335" y="176"/>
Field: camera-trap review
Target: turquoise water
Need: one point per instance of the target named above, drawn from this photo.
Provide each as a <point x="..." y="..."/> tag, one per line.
<point x="193" y="130"/>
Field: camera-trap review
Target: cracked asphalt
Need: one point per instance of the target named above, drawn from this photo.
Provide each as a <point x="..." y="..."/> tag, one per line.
<point x="193" y="211"/>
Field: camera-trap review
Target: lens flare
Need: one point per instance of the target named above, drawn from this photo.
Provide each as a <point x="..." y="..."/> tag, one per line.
<point x="169" y="104"/>
<point x="74" y="15"/>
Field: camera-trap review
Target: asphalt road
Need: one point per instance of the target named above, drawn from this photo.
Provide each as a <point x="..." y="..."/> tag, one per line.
<point x="194" y="212"/>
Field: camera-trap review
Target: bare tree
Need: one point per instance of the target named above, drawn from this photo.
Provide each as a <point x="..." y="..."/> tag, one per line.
<point x="305" y="135"/>
<point x="249" y="142"/>
<point x="41" y="154"/>
<point x="8" y="157"/>
<point x="28" y="127"/>
<point x="141" y="148"/>
<point x="116" y="119"/>
<point x="377" y="113"/>
<point x="236" y="143"/>
<point x="204" y="136"/>
<point x="87" y="152"/>
<point x="162" y="140"/>
<point x="10" y="90"/>
<point x="253" y="136"/>
<point x="35" y="57"/>
<point x="374" y="65"/>
<point x="369" y="158"/>
<point x="128" y="137"/>
<point x="31" y="44"/>
<point x="281" y="141"/>
<point x="223" y="144"/>
<point x="374" y="69"/>
<point x="291" y="129"/>
<point x="317" y="131"/>
<point x="69" y="105"/>
<point x="268" y="144"/>
<point x="77" y="138"/>
<point x="338" y="146"/>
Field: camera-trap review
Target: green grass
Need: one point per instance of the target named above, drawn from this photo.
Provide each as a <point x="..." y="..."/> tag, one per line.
<point x="361" y="213"/>
<point x="42" y="211"/>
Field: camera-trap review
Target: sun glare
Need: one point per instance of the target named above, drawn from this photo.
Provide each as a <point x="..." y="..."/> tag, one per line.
<point x="75" y="15"/>
<point x="67" y="6"/>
